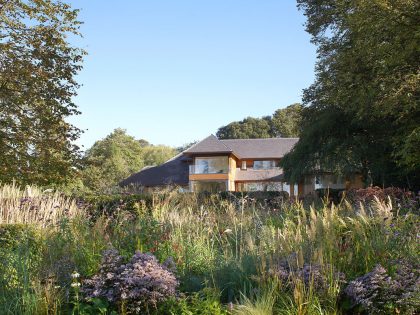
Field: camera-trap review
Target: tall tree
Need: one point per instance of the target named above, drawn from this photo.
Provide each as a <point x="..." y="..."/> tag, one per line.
<point x="112" y="159"/>
<point x="157" y="154"/>
<point x="38" y="66"/>
<point x="287" y="122"/>
<point x="362" y="112"/>
<point x="248" y="128"/>
<point x="117" y="156"/>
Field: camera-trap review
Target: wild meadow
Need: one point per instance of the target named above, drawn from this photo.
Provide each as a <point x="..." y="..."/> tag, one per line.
<point x="173" y="253"/>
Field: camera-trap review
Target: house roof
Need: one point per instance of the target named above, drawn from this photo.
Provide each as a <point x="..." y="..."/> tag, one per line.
<point x="260" y="148"/>
<point x="174" y="171"/>
<point x="245" y="148"/>
<point x="208" y="145"/>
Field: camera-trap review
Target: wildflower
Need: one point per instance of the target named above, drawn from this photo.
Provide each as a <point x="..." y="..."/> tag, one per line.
<point x="75" y="284"/>
<point x="75" y="275"/>
<point x="376" y="290"/>
<point x="141" y="283"/>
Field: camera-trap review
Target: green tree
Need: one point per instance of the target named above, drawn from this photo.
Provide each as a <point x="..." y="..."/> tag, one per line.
<point x="157" y="154"/>
<point x="38" y="66"/>
<point x="117" y="156"/>
<point x="362" y="112"/>
<point x="248" y="128"/>
<point x="287" y="122"/>
<point x="112" y="159"/>
<point x="186" y="146"/>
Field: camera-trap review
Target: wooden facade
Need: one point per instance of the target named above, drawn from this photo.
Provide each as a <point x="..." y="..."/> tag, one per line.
<point x="235" y="165"/>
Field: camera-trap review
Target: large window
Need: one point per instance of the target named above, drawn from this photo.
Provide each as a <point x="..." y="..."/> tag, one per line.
<point x="260" y="186"/>
<point x="329" y="181"/>
<point x="266" y="165"/>
<point x="210" y="165"/>
<point x="208" y="186"/>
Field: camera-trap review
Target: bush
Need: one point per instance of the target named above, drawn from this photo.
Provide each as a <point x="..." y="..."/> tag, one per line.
<point x="400" y="197"/>
<point x="205" y="302"/>
<point x="20" y="251"/>
<point x="334" y="195"/>
<point x="137" y="286"/>
<point x="377" y="292"/>
<point x="112" y="205"/>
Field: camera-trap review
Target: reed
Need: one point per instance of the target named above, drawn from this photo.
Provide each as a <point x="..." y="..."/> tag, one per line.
<point x="32" y="205"/>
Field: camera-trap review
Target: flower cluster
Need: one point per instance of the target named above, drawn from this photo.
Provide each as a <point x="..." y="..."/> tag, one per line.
<point x="376" y="291"/>
<point x="139" y="284"/>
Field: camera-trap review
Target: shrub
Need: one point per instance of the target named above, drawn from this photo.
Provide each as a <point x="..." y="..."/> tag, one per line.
<point x="403" y="198"/>
<point x="137" y="286"/>
<point x="112" y="205"/>
<point x="377" y="292"/>
<point x="20" y="251"/>
<point x="332" y="194"/>
<point x="204" y="302"/>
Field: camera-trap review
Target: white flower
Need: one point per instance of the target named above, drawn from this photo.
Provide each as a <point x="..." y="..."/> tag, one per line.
<point x="75" y="275"/>
<point x="75" y="284"/>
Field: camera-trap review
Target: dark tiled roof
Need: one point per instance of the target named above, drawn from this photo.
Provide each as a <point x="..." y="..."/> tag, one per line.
<point x="260" y="148"/>
<point x="258" y="175"/>
<point x="245" y="148"/>
<point x="174" y="171"/>
<point x="209" y="145"/>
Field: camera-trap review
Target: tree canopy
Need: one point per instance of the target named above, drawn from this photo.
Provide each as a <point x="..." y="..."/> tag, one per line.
<point x="38" y="66"/>
<point x="117" y="156"/>
<point x="362" y="112"/>
<point x="285" y="122"/>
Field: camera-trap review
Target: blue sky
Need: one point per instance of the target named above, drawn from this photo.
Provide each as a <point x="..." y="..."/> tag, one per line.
<point x="172" y="71"/>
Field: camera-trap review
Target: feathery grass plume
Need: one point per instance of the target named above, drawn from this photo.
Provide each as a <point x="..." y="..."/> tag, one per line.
<point x="34" y="206"/>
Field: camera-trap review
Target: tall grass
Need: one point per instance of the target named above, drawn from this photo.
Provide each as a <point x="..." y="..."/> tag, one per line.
<point x="31" y="205"/>
<point x="235" y="247"/>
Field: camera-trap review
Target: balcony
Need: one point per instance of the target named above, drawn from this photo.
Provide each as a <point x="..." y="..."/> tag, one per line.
<point x="210" y="165"/>
<point x="207" y="169"/>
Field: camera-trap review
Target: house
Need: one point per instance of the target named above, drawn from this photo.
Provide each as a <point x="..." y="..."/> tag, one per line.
<point x="233" y="165"/>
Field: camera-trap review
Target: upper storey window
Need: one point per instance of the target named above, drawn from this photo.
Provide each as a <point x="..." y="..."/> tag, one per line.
<point x="210" y="165"/>
<point x="266" y="165"/>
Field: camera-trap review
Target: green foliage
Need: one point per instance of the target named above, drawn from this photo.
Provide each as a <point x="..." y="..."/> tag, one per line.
<point x="226" y="250"/>
<point x="186" y="146"/>
<point x="362" y="111"/>
<point x="37" y="85"/>
<point x="285" y="122"/>
<point x="205" y="302"/>
<point x="20" y="254"/>
<point x="248" y="128"/>
<point x="117" y="156"/>
<point x="111" y="160"/>
<point x="157" y="154"/>
<point x="95" y="306"/>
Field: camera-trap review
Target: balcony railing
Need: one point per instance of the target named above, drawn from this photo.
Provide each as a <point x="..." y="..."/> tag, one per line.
<point x="265" y="168"/>
<point x="204" y="169"/>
